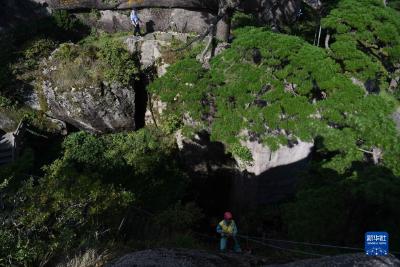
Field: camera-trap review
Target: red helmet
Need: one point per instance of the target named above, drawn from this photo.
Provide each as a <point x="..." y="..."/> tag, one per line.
<point x="227" y="216"/>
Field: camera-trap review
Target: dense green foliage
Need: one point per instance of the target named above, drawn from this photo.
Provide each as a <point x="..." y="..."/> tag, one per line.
<point x="83" y="196"/>
<point x="296" y="91"/>
<point x="142" y="161"/>
<point x="59" y="213"/>
<point x="366" y="39"/>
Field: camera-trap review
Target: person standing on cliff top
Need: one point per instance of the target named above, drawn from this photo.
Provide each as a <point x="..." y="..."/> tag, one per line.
<point x="227" y="229"/>
<point x="135" y="22"/>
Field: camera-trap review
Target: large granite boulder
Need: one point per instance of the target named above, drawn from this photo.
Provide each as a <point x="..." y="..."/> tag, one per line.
<point x="194" y="258"/>
<point x="77" y="91"/>
<point x="151" y="48"/>
<point x="358" y="259"/>
<point x="184" y="257"/>
<point x="97" y="109"/>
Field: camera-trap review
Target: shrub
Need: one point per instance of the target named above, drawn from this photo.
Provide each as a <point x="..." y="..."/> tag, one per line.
<point x="144" y="161"/>
<point x="121" y="65"/>
<point x="89" y="258"/>
<point x="242" y="152"/>
<point x="177" y="219"/>
<point x="81" y="200"/>
<point x="60" y="213"/>
<point x="5" y="102"/>
<point x="171" y="123"/>
<point x="241" y="19"/>
<point x="367" y="45"/>
<point x="38" y="49"/>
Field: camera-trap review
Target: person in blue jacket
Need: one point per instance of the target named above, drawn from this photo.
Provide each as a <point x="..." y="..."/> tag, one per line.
<point x="135" y="22"/>
<point x="227" y="229"/>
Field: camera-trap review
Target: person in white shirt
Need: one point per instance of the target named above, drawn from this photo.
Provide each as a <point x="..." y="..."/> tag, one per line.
<point x="135" y="22"/>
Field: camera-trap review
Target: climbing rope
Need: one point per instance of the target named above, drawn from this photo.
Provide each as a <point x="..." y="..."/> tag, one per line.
<point x="305" y="243"/>
<point x="282" y="248"/>
<point x="258" y="239"/>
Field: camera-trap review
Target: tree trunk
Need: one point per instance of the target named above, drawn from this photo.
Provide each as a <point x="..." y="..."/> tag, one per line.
<point x="327" y="38"/>
<point x="319" y="34"/>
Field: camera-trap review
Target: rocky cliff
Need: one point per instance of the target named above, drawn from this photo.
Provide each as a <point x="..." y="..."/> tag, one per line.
<point x="81" y="87"/>
<point x="194" y="258"/>
<point x="179" y="15"/>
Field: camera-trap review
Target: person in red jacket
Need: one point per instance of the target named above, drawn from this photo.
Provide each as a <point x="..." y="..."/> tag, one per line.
<point x="227" y="229"/>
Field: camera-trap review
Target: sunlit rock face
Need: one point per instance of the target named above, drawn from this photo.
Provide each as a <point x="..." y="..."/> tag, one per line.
<point x="264" y="158"/>
<point x="153" y="19"/>
<point x="151" y="46"/>
<point x="178" y="15"/>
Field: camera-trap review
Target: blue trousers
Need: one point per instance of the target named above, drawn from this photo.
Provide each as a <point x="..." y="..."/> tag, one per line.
<point x="224" y="241"/>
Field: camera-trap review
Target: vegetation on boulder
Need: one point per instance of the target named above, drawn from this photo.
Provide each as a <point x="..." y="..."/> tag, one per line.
<point x="281" y="89"/>
<point x="95" y="60"/>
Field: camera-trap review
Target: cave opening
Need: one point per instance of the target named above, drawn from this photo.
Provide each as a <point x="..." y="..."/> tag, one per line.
<point x="141" y="98"/>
